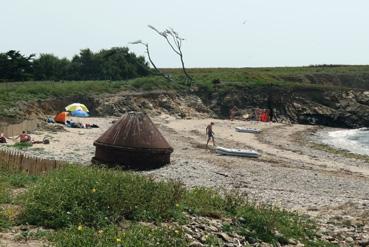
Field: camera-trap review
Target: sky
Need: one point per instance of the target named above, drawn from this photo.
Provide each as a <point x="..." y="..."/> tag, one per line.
<point x="218" y="33"/>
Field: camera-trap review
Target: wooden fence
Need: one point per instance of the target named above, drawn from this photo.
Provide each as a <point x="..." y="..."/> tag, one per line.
<point x="18" y="161"/>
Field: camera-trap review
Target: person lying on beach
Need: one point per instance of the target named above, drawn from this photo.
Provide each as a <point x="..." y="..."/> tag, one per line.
<point x="3" y="138"/>
<point x="72" y="124"/>
<point x="88" y="126"/>
<point x="24" y="137"/>
<point x="79" y="125"/>
<point x="210" y="134"/>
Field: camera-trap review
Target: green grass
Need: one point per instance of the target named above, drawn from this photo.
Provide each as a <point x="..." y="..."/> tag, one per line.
<point x="21" y="145"/>
<point x="4" y="221"/>
<point x="98" y="197"/>
<point x="135" y="236"/>
<point x="4" y="192"/>
<point x="346" y="76"/>
<point x="16" y="179"/>
<point x="207" y="202"/>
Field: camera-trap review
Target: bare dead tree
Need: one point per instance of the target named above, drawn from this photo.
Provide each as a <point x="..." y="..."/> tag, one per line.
<point x="175" y="43"/>
<point x="158" y="72"/>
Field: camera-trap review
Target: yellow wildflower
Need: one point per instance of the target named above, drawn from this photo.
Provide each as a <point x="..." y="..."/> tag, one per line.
<point x="93" y="190"/>
<point x="119" y="240"/>
<point x="100" y="231"/>
<point x="80" y="228"/>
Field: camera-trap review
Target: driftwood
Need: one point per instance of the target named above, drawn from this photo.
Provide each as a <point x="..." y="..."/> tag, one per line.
<point x="18" y="161"/>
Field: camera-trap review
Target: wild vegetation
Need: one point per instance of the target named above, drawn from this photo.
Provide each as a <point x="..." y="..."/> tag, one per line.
<point x="90" y="206"/>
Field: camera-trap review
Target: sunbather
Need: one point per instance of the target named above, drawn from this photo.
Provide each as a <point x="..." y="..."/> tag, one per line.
<point x="3" y="138"/>
<point x="24" y="137"/>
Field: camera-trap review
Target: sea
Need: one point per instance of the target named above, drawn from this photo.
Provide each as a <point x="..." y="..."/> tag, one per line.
<point x="353" y="140"/>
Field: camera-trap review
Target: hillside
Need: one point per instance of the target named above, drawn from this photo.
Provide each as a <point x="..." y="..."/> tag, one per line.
<point x="327" y="95"/>
<point x="325" y="75"/>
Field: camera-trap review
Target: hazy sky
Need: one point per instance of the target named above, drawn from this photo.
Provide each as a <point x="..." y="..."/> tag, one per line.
<point x="233" y="33"/>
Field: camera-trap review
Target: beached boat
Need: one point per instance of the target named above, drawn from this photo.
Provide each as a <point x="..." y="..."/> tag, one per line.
<point x="237" y="152"/>
<point x="248" y="130"/>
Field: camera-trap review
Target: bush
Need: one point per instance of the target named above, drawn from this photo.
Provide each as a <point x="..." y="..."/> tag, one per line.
<point x="4" y="221"/>
<point x="97" y="197"/>
<point x="16" y="179"/>
<point x="273" y="224"/>
<point x="4" y="192"/>
<point x="207" y="202"/>
<point x="135" y="236"/>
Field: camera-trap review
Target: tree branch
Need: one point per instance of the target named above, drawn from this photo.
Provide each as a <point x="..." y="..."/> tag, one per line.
<point x="175" y="42"/>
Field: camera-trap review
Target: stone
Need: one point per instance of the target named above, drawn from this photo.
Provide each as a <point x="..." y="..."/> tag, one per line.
<point x="204" y="238"/>
<point x="349" y="240"/>
<point x="188" y="236"/>
<point x="364" y="242"/>
<point x="292" y="241"/>
<point x="225" y="237"/>
<point x="213" y="228"/>
<point x="195" y="244"/>
<point x="186" y="229"/>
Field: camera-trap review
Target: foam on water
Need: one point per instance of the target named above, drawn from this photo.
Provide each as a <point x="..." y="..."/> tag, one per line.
<point x="354" y="140"/>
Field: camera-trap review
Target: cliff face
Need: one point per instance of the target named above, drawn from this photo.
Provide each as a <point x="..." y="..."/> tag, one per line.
<point x="313" y="105"/>
<point x="344" y="108"/>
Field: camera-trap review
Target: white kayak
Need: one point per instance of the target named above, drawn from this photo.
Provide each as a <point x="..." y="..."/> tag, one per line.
<point x="237" y="152"/>
<point x="248" y="130"/>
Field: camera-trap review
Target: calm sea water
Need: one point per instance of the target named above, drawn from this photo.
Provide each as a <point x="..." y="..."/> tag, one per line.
<point x="353" y="140"/>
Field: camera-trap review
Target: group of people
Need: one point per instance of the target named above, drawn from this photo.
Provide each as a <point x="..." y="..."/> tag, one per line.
<point x="23" y="137"/>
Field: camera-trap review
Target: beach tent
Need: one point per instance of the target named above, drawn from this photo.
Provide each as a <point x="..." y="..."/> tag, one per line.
<point x="79" y="113"/>
<point x="76" y="106"/>
<point x="61" y="117"/>
<point x="133" y="142"/>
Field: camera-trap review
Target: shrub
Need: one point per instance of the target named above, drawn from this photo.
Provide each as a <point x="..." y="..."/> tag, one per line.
<point x="208" y="202"/>
<point x="4" y="221"/>
<point x="16" y="179"/>
<point x="4" y="192"/>
<point x="273" y="224"/>
<point x="97" y="197"/>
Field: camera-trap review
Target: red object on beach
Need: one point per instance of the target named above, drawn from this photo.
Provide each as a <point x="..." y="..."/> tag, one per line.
<point x="264" y="117"/>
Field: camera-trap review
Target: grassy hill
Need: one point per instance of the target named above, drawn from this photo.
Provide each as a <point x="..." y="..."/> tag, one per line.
<point x="343" y="76"/>
<point x="322" y="77"/>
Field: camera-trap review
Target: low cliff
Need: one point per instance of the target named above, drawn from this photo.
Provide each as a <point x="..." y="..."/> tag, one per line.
<point x="305" y="105"/>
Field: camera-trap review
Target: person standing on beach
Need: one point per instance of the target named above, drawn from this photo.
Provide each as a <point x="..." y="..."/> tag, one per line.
<point x="210" y="134"/>
<point x="232" y="112"/>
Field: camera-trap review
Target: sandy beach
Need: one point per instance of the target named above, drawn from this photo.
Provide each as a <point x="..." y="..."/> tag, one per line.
<point x="288" y="173"/>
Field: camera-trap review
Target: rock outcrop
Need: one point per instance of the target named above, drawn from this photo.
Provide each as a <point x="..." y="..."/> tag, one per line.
<point x="336" y="108"/>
